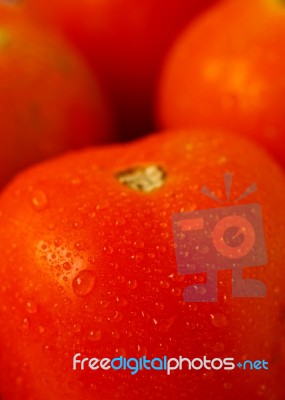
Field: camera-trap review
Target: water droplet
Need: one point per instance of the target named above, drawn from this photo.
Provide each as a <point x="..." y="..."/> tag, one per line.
<point x="164" y="284"/>
<point x="159" y="306"/>
<point x="139" y="244"/>
<point x="108" y="249"/>
<point x="164" y="325"/>
<point x="128" y="334"/>
<point x="141" y="351"/>
<point x="103" y="205"/>
<point x="146" y="316"/>
<point x="120" y="351"/>
<point x="200" y="289"/>
<point x="61" y="289"/>
<point x="39" y="200"/>
<point x="121" y="278"/>
<point x="76" y="328"/>
<point x="137" y="256"/>
<point x="92" y="260"/>
<point x="122" y="302"/>
<point x="203" y="248"/>
<point x="58" y="242"/>
<point x="41" y="329"/>
<point x="120" y="221"/>
<point x="197" y="278"/>
<point x="219" y="320"/>
<point x="176" y="292"/>
<point x="81" y="245"/>
<point x="161" y="249"/>
<point x="115" y="334"/>
<point x="94" y="336"/>
<point x="66" y="266"/>
<point x="25" y="324"/>
<point x="31" y="307"/>
<point x="132" y="284"/>
<point x="84" y="282"/>
<point x="104" y="304"/>
<point x="164" y="235"/>
<point x="78" y="224"/>
<point x="117" y="316"/>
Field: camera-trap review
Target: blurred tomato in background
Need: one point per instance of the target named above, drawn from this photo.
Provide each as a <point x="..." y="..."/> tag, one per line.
<point x="126" y="41"/>
<point x="50" y="101"/>
<point x="226" y="71"/>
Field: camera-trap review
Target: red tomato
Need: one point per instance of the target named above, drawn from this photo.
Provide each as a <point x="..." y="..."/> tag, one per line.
<point x="127" y="41"/>
<point x="88" y="266"/>
<point x="226" y="71"/>
<point x="49" y="100"/>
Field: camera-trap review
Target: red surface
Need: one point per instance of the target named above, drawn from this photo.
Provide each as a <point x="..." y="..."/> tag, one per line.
<point x="88" y="265"/>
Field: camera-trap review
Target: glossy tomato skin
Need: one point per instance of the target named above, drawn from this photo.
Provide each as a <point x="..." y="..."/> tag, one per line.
<point x="127" y="41"/>
<point x="226" y="72"/>
<point x="88" y="266"/>
<point x="49" y="100"/>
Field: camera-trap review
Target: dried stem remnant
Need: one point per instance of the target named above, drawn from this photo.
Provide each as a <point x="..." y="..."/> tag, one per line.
<point x="144" y="179"/>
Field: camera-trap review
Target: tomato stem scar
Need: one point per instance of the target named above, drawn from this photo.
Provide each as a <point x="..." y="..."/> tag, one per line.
<point x="143" y="179"/>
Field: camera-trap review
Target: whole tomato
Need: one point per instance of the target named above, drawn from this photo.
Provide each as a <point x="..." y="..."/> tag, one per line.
<point x="50" y="101"/>
<point x="226" y="71"/>
<point x="87" y="264"/>
<point x="127" y="41"/>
